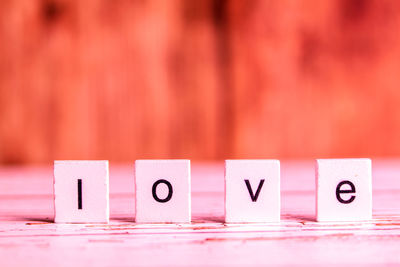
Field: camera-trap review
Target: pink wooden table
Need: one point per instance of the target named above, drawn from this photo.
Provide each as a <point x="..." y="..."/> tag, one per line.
<point x="29" y="238"/>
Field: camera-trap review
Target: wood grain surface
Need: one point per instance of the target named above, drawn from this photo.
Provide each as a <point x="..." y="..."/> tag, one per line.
<point x="29" y="237"/>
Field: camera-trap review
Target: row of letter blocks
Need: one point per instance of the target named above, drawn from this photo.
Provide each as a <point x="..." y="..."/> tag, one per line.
<point x="252" y="191"/>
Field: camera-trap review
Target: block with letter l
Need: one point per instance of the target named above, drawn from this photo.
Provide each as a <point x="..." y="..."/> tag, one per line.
<point x="81" y="191"/>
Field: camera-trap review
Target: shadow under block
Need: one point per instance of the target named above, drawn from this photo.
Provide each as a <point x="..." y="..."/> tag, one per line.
<point x="252" y="191"/>
<point x="163" y="191"/>
<point x="343" y="190"/>
<point x="81" y="191"/>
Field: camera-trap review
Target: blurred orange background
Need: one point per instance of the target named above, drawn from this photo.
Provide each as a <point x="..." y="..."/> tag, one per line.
<point x="205" y="80"/>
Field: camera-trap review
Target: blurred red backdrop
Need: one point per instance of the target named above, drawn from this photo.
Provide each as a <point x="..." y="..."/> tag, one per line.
<point x="204" y="80"/>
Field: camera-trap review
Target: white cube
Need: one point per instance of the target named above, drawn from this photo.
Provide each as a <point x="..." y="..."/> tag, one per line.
<point x="252" y="191"/>
<point x="344" y="190"/>
<point x="162" y="191"/>
<point x="81" y="193"/>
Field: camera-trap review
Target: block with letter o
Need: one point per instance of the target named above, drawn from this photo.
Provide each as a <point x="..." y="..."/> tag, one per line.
<point x="162" y="191"/>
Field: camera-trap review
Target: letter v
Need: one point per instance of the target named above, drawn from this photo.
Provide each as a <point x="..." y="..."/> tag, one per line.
<point x="254" y="197"/>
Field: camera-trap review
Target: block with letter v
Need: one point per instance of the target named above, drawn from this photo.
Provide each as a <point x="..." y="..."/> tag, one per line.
<point x="252" y="191"/>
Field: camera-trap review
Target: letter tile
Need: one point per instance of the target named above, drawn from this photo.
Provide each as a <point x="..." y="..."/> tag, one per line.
<point x="81" y="191"/>
<point x="343" y="190"/>
<point x="163" y="191"/>
<point x="252" y="191"/>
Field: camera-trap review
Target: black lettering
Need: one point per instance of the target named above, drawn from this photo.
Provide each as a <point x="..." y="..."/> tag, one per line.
<point x="252" y="196"/>
<point x="154" y="191"/>
<point x="79" y="194"/>
<point x="340" y="191"/>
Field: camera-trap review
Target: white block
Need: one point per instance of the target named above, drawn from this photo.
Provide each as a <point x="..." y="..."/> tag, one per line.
<point x="344" y="190"/>
<point x="81" y="191"/>
<point x="162" y="191"/>
<point x="252" y="191"/>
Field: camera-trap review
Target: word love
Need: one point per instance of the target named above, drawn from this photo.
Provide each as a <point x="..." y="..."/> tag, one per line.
<point x="252" y="191"/>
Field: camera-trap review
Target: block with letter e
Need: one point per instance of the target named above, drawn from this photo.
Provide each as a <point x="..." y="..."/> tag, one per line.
<point x="252" y="191"/>
<point x="81" y="192"/>
<point x="163" y="191"/>
<point x="343" y="190"/>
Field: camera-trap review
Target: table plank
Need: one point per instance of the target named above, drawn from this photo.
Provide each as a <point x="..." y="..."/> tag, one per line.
<point x="27" y="234"/>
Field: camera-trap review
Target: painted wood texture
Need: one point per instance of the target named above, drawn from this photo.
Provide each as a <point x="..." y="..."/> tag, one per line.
<point x="122" y="80"/>
<point x="28" y="237"/>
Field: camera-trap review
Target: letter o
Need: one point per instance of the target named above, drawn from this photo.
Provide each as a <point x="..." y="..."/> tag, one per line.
<point x="154" y="191"/>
